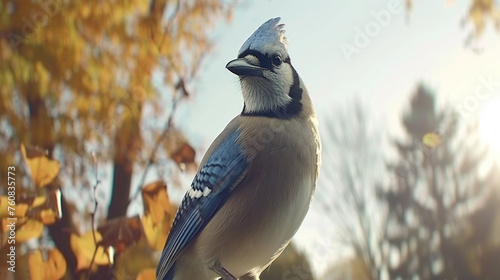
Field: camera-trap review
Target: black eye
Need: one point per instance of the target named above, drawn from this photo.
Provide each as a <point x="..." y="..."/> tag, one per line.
<point x="277" y="60"/>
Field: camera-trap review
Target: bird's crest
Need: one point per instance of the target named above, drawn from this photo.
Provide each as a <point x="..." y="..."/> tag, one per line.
<point x="269" y="36"/>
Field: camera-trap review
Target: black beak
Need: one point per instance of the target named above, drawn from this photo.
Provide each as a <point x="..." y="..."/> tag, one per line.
<point x="241" y="67"/>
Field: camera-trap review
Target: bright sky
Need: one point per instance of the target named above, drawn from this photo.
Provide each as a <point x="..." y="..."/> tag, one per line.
<point x="427" y="46"/>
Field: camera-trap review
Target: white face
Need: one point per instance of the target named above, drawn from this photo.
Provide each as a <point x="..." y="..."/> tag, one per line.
<point x="271" y="91"/>
<point x="267" y="81"/>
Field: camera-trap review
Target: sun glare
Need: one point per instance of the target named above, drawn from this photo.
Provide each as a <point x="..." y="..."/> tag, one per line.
<point x="489" y="124"/>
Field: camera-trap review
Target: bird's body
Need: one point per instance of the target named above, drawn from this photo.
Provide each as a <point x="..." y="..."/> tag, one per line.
<point x="252" y="241"/>
<point x="254" y="185"/>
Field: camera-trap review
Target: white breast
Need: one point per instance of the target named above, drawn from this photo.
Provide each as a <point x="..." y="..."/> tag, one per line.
<point x="267" y="228"/>
<point x="275" y="199"/>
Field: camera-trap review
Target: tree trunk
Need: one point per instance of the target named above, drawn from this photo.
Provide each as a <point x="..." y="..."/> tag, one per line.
<point x="127" y="145"/>
<point x="122" y="177"/>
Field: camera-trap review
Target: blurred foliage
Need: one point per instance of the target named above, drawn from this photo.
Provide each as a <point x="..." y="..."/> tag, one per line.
<point x="79" y="82"/>
<point x="74" y="72"/>
<point x="290" y="265"/>
<point x="437" y="214"/>
<point x="349" y="268"/>
<point x="436" y="189"/>
<point x="128" y="237"/>
<point x="482" y="11"/>
<point x="351" y="167"/>
<point x="479" y="242"/>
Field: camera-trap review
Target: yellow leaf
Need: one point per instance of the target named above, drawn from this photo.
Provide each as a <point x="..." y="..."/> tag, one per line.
<point x="156" y="234"/>
<point x="431" y="140"/>
<point x="156" y="203"/>
<point x="43" y="170"/>
<point x="48" y="216"/>
<point x="30" y="229"/>
<point x="20" y="207"/>
<point x="4" y="204"/>
<point x="39" y="201"/>
<point x="52" y="269"/>
<point x="147" y="274"/>
<point x="84" y="247"/>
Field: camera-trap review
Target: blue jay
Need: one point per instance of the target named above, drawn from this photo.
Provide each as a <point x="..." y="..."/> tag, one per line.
<point x="256" y="181"/>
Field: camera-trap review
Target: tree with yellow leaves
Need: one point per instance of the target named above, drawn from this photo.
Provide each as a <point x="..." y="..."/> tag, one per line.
<point x="75" y="74"/>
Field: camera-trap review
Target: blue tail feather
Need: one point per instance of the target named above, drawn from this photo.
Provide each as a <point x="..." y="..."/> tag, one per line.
<point x="170" y="274"/>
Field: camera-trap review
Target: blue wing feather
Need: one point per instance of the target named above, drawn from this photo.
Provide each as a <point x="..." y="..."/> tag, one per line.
<point x="210" y="189"/>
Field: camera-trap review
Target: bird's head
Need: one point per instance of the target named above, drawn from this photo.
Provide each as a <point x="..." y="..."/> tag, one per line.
<point x="270" y="85"/>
